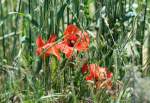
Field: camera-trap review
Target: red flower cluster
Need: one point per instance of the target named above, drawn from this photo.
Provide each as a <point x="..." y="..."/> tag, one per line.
<point x="98" y="74"/>
<point x="73" y="39"/>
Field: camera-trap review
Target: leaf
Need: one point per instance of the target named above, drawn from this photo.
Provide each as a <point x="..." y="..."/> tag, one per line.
<point x="60" y="13"/>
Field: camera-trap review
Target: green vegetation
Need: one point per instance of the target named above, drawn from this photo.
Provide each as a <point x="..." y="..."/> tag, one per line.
<point x="119" y="33"/>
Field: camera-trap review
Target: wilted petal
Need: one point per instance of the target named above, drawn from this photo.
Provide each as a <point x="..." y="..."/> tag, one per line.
<point x="107" y="84"/>
<point x="102" y="73"/>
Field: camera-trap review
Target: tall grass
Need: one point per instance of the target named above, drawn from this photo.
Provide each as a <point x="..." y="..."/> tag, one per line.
<point x="119" y="39"/>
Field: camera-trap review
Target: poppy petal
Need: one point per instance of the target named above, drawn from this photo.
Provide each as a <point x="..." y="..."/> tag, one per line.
<point x="84" y="68"/>
<point x="68" y="51"/>
<point x="73" y="37"/>
<point x="71" y="29"/>
<point x="38" y="51"/>
<point x="93" y="71"/>
<point x="109" y="75"/>
<point x="83" y="42"/>
<point x="45" y="49"/>
<point x="39" y="42"/>
<point x="52" y="38"/>
<point x="89" y="77"/>
<point x="55" y="52"/>
<point x="52" y="49"/>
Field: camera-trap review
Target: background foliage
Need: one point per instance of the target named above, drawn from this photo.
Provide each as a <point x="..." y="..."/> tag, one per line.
<point x="120" y="40"/>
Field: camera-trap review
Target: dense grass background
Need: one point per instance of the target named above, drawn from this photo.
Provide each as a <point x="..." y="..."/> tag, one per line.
<point x="120" y="40"/>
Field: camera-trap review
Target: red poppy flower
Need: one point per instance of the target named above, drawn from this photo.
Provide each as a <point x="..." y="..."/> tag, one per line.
<point x="96" y="72"/>
<point x="100" y="74"/>
<point x="50" y="47"/>
<point x="74" y="39"/>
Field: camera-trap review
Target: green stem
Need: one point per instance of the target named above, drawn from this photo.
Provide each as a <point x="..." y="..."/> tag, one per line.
<point x="15" y="35"/>
<point x="3" y="43"/>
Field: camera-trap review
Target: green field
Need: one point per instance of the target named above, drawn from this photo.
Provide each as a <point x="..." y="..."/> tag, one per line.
<point x="74" y="51"/>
